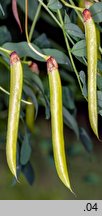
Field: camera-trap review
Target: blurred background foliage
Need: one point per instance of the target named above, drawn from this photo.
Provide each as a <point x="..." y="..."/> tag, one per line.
<point x="36" y="170"/>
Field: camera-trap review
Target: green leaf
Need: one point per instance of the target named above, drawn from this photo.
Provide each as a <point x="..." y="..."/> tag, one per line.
<point x="99" y="98"/>
<point x="83" y="80"/>
<point x="34" y="78"/>
<point x="99" y="82"/>
<point x="28" y="172"/>
<point x="99" y="65"/>
<point x="86" y="140"/>
<point x="5" y="35"/>
<point x="66" y="20"/>
<point x="28" y="91"/>
<point x="32" y="7"/>
<point x="73" y="16"/>
<point x="80" y="59"/>
<point x="42" y="41"/>
<point x="44" y="102"/>
<point x="25" y="150"/>
<point x="54" y="5"/>
<point x="96" y="10"/>
<point x="70" y="121"/>
<point x="68" y="100"/>
<point x="79" y="49"/>
<point x="35" y="82"/>
<point x="60" y="57"/>
<point x="100" y="112"/>
<point x="74" y="30"/>
<point x="23" y="50"/>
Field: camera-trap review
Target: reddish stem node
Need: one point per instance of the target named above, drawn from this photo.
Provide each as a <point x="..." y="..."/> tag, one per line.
<point x="51" y="64"/>
<point x="86" y="15"/>
<point x="14" y="58"/>
<point x="34" y="67"/>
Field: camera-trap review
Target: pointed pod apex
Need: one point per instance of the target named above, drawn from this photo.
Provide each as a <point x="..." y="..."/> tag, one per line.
<point x="17" y="179"/>
<point x="73" y="193"/>
<point x="14" y="58"/>
<point x="87" y="15"/>
<point x="51" y="64"/>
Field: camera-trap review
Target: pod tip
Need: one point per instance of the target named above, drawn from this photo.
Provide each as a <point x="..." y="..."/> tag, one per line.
<point x="16" y="177"/>
<point x="73" y="193"/>
<point x="69" y="187"/>
<point x="86" y="15"/>
<point x="14" y="58"/>
<point x="51" y="64"/>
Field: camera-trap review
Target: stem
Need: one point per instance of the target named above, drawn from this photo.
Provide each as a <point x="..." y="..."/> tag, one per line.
<point x="26" y="62"/>
<point x="34" y="22"/>
<point x="8" y="52"/>
<point x="59" y="24"/>
<point x="55" y="19"/>
<point x="72" y="6"/>
<point x="70" y="39"/>
<point x="51" y="14"/>
<point x="69" y="51"/>
<point x="33" y="27"/>
<point x="77" y="12"/>
<point x="27" y="37"/>
<point x="8" y="93"/>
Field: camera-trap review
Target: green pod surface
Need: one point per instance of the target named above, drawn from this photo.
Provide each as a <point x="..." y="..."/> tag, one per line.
<point x="16" y="80"/>
<point x="30" y="110"/>
<point x="57" y="121"/>
<point x="88" y="4"/>
<point x="30" y="115"/>
<point x="91" y="45"/>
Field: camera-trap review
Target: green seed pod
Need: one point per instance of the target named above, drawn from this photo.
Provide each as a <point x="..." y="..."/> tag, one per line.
<point x="30" y="115"/>
<point x="16" y="80"/>
<point x="30" y="110"/>
<point x="91" y="44"/>
<point x="88" y="4"/>
<point x="57" y="121"/>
